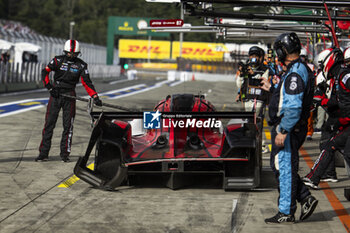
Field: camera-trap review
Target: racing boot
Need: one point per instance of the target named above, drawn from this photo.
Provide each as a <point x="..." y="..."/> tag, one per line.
<point x="308" y="205"/>
<point x="281" y="218"/>
<point x="308" y="182"/>
<point x="42" y="158"/>
<point x="65" y="158"/>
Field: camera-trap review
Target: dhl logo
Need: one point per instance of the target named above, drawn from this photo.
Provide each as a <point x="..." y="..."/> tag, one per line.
<point x="198" y="51"/>
<point x="157" y="49"/>
<point x="143" y="49"/>
<point x="130" y="48"/>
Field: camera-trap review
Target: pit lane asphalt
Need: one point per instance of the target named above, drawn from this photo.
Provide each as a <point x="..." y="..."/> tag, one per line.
<point x="31" y="201"/>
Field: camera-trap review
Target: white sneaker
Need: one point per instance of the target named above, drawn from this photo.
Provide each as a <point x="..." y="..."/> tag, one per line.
<point x="309" y="183"/>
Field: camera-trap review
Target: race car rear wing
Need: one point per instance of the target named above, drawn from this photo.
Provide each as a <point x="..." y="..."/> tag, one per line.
<point x="250" y="116"/>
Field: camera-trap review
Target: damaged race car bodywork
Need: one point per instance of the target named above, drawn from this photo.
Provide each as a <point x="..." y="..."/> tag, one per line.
<point x="190" y="139"/>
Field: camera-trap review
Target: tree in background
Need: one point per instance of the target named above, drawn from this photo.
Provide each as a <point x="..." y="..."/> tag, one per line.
<point x="52" y="17"/>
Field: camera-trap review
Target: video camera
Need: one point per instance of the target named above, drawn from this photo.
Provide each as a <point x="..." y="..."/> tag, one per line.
<point x="252" y="63"/>
<point x="244" y="67"/>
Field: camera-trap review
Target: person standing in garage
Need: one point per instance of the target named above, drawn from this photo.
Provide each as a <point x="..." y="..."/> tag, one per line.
<point x="289" y="110"/>
<point x="68" y="69"/>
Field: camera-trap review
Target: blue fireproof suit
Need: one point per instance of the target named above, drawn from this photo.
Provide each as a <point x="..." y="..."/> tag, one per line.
<point x="289" y="110"/>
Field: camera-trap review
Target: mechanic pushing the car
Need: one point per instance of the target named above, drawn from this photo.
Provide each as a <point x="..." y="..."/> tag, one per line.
<point x="68" y="69"/>
<point x="332" y="65"/>
<point x="289" y="110"/>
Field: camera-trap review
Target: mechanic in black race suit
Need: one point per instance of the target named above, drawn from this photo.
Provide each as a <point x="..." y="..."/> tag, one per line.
<point x="325" y="95"/>
<point x="68" y="69"/>
<point x="289" y="110"/>
<point x="332" y="66"/>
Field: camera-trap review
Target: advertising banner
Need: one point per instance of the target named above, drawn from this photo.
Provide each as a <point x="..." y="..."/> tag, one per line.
<point x="154" y="49"/>
<point x="199" y="50"/>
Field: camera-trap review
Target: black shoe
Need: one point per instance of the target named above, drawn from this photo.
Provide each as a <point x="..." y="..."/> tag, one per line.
<point x="328" y="178"/>
<point x="309" y="183"/>
<point x="280" y="218"/>
<point x="42" y="158"/>
<point x="309" y="138"/>
<point x="65" y="159"/>
<point x="317" y="131"/>
<point x="308" y="205"/>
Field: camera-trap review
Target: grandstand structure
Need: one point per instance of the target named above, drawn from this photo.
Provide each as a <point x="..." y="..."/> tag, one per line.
<point x="16" y="32"/>
<point x="41" y="49"/>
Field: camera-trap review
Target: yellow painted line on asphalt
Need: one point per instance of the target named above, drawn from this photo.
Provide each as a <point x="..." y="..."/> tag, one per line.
<point x="267" y="131"/>
<point x="70" y="181"/>
<point x="30" y="103"/>
<point x="265" y="123"/>
<point x="267" y="134"/>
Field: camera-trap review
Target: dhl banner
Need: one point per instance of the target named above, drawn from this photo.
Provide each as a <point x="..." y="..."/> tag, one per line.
<point x="154" y="49"/>
<point x="199" y="50"/>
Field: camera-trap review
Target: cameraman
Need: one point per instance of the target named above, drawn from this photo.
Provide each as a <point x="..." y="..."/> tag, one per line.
<point x="249" y="81"/>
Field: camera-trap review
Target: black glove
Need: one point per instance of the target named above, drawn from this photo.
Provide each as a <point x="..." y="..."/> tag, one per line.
<point x="54" y="92"/>
<point x="322" y="87"/>
<point x="97" y="101"/>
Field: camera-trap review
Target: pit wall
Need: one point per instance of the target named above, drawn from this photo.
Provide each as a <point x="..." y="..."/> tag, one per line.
<point x="196" y="76"/>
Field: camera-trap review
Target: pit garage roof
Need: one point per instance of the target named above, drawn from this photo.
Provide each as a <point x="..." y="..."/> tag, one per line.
<point x="277" y="16"/>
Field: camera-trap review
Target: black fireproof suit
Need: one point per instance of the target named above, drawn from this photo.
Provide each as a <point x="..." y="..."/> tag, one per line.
<point x="341" y="140"/>
<point x="67" y="74"/>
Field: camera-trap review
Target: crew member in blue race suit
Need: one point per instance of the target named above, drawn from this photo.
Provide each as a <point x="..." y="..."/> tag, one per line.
<point x="289" y="110"/>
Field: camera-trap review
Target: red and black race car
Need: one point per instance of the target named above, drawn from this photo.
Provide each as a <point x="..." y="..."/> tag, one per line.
<point x="188" y="138"/>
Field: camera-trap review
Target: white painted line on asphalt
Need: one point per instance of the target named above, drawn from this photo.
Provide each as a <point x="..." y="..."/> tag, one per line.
<point x="20" y="111"/>
<point x="142" y="87"/>
<point x="234" y="205"/>
<point x="233" y="216"/>
<point x="27" y="92"/>
<point x="23" y="92"/>
<point x="124" y="89"/>
<point x="23" y="101"/>
<point x="176" y="83"/>
<point x="142" y="90"/>
<point x="119" y="81"/>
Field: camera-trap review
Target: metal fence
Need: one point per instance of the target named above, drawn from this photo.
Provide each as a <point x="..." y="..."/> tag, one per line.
<point x="31" y="72"/>
<point x="50" y="47"/>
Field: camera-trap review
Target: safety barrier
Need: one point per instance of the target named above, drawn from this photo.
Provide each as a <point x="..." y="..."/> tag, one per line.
<point x="213" y="67"/>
